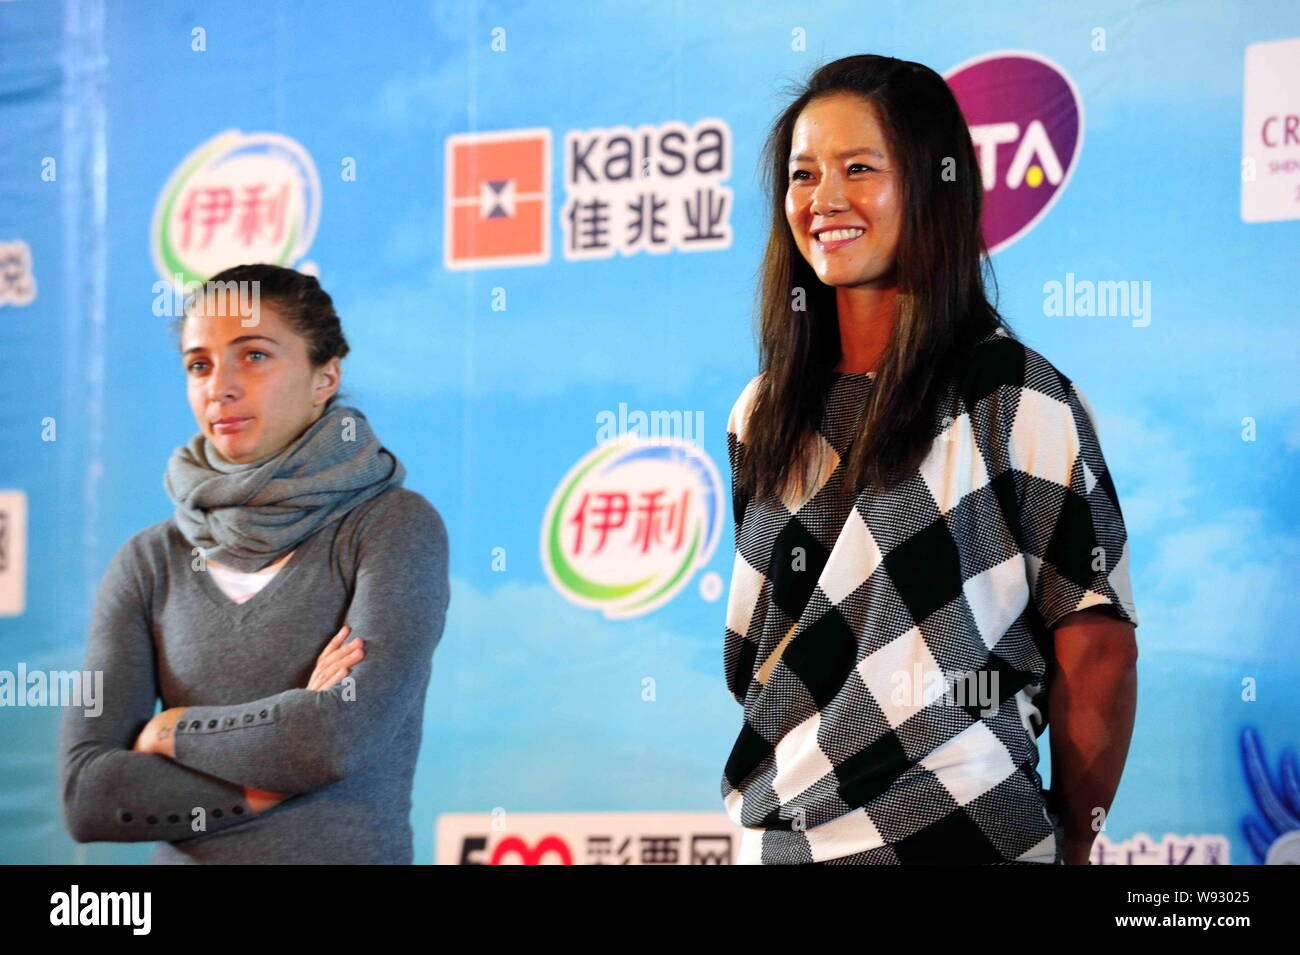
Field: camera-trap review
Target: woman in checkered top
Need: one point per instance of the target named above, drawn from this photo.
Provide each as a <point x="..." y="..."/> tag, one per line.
<point x="931" y="563"/>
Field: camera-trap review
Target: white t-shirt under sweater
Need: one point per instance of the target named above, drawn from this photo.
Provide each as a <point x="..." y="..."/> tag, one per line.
<point x="239" y="586"/>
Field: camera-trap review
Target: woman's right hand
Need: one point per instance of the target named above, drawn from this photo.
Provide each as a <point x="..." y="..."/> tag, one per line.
<point x="259" y="800"/>
<point x="336" y="660"/>
<point x="332" y="665"/>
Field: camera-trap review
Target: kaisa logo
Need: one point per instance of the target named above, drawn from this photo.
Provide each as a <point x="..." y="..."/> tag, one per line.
<point x="630" y="524"/>
<point x="1026" y="120"/>
<point x="239" y="197"/>
<point x="653" y="189"/>
<point x="497" y="199"/>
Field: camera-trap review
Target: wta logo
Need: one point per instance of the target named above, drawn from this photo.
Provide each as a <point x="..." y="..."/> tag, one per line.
<point x="239" y="197"/>
<point x="631" y="523"/>
<point x="1026" y="121"/>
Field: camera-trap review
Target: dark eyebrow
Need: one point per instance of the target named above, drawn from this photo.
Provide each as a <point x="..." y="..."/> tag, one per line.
<point x="801" y="157"/>
<point x="236" y="341"/>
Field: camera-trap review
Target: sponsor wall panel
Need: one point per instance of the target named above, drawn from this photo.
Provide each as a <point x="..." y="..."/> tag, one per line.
<point x="542" y="240"/>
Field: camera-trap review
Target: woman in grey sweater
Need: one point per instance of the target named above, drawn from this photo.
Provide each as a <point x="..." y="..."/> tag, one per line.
<point x="278" y="742"/>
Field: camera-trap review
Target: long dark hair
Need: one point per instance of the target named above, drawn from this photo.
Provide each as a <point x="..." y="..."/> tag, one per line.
<point x="942" y="306"/>
<point x="306" y="307"/>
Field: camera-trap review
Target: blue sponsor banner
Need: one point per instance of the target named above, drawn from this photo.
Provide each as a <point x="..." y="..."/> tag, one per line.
<point x="541" y="228"/>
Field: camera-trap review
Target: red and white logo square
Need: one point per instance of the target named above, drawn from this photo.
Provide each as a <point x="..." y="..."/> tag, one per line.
<point x="497" y="199"/>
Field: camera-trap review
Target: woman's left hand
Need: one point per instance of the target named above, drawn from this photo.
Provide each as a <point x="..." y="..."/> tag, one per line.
<point x="159" y="734"/>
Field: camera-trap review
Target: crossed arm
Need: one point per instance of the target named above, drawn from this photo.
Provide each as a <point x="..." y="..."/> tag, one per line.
<point x="332" y="666"/>
<point x="1090" y="714"/>
<point x="123" y="785"/>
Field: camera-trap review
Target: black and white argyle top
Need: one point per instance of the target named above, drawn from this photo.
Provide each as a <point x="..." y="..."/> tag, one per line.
<point x="893" y="650"/>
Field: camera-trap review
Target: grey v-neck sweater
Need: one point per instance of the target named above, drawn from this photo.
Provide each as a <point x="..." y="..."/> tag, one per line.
<point x="162" y="629"/>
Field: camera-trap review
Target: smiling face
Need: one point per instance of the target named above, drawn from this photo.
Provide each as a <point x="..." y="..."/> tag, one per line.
<point x="844" y="199"/>
<point x="252" y="388"/>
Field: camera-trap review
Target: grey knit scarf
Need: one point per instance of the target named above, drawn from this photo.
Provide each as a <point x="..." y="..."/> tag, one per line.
<point x="245" y="516"/>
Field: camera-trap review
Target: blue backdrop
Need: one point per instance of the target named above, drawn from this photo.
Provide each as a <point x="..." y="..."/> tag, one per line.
<point x="494" y="326"/>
